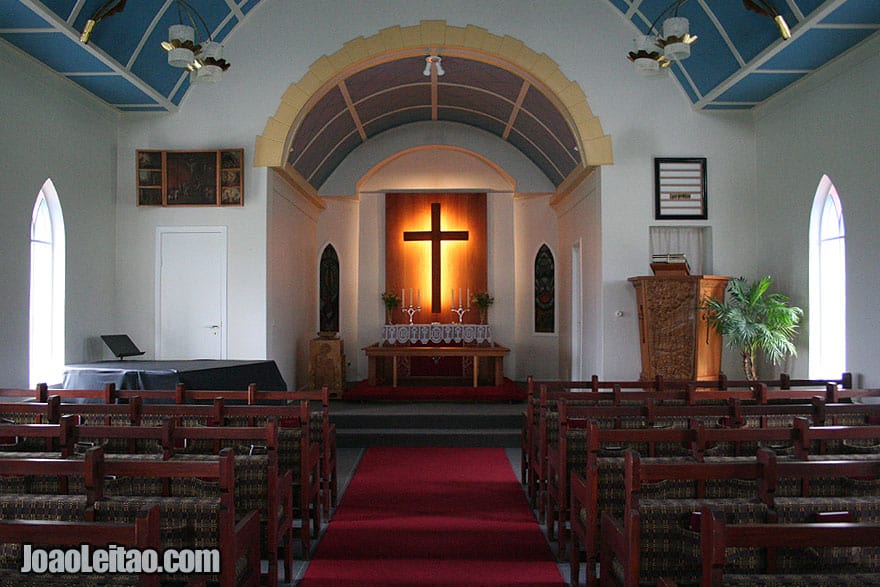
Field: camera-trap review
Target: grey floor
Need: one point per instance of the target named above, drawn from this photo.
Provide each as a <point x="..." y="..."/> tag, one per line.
<point x="348" y="459"/>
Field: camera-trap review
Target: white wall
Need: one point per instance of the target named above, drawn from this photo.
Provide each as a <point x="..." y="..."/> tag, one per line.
<point x="50" y="130"/>
<point x="535" y="225"/>
<point x="828" y="126"/>
<point x="339" y="225"/>
<point x="579" y="220"/>
<point x="292" y="280"/>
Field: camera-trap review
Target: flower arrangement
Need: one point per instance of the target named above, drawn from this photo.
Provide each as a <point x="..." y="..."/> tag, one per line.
<point x="390" y="299"/>
<point x="482" y="299"/>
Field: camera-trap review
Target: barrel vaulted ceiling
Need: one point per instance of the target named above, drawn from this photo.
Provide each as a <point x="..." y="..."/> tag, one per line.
<point x="738" y="62"/>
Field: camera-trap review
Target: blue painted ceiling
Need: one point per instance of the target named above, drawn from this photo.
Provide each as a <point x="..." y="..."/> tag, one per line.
<point x="738" y="62"/>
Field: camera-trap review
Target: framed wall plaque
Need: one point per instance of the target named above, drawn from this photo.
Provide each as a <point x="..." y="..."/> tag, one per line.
<point x="680" y="188"/>
<point x="190" y="178"/>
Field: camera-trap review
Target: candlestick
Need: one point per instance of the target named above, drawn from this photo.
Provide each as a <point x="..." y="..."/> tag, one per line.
<point x="410" y="297"/>
<point x="453" y="298"/>
<point x="419" y="303"/>
<point x="459" y="298"/>
<point x="461" y="312"/>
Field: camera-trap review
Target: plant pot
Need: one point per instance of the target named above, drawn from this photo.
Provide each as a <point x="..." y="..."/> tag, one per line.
<point x="388" y="316"/>
<point x="484" y="315"/>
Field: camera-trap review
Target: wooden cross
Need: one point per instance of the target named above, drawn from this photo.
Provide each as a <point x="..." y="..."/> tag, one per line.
<point x="435" y="235"/>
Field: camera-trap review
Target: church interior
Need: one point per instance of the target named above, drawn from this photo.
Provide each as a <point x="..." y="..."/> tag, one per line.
<point x="435" y="201"/>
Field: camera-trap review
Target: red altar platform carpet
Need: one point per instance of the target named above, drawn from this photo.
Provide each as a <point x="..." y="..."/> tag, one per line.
<point x="433" y="516"/>
<point x="509" y="391"/>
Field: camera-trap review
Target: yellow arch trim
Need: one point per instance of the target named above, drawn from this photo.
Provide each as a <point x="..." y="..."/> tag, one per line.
<point x="433" y="36"/>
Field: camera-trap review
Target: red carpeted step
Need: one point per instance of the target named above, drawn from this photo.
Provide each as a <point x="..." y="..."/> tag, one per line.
<point x="433" y="516"/>
<point x="509" y="391"/>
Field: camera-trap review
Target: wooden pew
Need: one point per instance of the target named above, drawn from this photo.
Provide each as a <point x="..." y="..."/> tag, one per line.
<point x="646" y="541"/>
<point x="598" y="483"/>
<point x="142" y="533"/>
<point x="818" y="542"/>
<point x="197" y="522"/>
<point x="262" y="488"/>
<point x="48" y="438"/>
<point x="540" y="420"/>
<point x="259" y="484"/>
<point x="297" y="448"/>
<point x="322" y="429"/>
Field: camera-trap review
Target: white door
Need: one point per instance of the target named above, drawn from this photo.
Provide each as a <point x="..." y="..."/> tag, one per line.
<point x="191" y="292"/>
<point x="577" y="320"/>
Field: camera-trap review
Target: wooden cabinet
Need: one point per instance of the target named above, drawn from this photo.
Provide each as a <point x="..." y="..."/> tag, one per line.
<point x="327" y="365"/>
<point x="675" y="338"/>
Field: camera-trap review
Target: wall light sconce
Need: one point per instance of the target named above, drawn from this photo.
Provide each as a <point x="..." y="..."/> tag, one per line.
<point x="433" y="61"/>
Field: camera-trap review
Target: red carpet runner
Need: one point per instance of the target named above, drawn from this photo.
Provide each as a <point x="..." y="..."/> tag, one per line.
<point x="433" y="516"/>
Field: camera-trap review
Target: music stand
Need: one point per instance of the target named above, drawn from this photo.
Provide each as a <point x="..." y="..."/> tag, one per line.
<point x="121" y="346"/>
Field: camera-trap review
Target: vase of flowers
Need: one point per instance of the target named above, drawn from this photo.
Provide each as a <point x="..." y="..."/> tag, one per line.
<point x="391" y="301"/>
<point x="482" y="300"/>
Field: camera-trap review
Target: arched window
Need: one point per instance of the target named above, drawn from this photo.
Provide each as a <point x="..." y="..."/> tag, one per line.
<point x="329" y="290"/>
<point x="46" y="340"/>
<point x="827" y="284"/>
<point x="545" y="291"/>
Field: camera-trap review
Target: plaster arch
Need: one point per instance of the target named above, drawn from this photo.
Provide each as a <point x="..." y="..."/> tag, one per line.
<point x="431" y="36"/>
<point x="425" y="168"/>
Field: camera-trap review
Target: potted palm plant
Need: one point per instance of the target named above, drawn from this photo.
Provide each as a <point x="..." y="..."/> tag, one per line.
<point x="753" y="320"/>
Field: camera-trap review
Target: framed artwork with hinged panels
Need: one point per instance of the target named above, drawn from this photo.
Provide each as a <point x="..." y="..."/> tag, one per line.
<point x="190" y="178"/>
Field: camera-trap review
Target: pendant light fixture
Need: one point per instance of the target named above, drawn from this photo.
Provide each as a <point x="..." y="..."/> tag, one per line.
<point x="656" y="50"/>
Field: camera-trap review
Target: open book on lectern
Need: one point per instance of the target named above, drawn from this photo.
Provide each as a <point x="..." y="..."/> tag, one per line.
<point x="121" y="345"/>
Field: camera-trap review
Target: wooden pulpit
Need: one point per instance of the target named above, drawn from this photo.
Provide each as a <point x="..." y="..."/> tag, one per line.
<point x="675" y="338"/>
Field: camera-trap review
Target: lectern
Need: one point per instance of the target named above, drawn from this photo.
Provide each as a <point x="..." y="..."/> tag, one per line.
<point x="675" y="338"/>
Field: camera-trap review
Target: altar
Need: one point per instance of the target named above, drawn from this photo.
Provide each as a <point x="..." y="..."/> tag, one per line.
<point x="493" y="352"/>
<point x="436" y="333"/>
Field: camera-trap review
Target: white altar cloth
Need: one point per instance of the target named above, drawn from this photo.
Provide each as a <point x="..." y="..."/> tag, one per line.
<point x="436" y="333"/>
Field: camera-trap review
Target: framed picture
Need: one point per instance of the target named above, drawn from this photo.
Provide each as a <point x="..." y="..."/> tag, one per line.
<point x="190" y="178"/>
<point x="680" y="188"/>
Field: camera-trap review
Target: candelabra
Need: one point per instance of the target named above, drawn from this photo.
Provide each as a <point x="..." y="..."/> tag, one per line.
<point x="461" y="311"/>
<point x="411" y="310"/>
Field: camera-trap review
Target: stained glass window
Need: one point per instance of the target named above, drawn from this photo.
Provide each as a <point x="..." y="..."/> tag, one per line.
<point x="329" y="290"/>
<point x="545" y="291"/>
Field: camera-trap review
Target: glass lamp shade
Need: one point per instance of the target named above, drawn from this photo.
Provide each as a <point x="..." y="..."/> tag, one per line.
<point x="180" y="55"/>
<point x="646" y="56"/>
<point x="675" y="33"/>
<point x="211" y="54"/>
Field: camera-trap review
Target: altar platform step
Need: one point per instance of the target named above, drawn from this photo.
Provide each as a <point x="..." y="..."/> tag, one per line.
<point x="420" y="424"/>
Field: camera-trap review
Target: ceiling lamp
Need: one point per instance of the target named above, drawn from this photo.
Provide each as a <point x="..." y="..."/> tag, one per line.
<point x="656" y="51"/>
<point x="766" y="8"/>
<point x="186" y="50"/>
<point x="106" y="9"/>
<point x="433" y="61"/>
